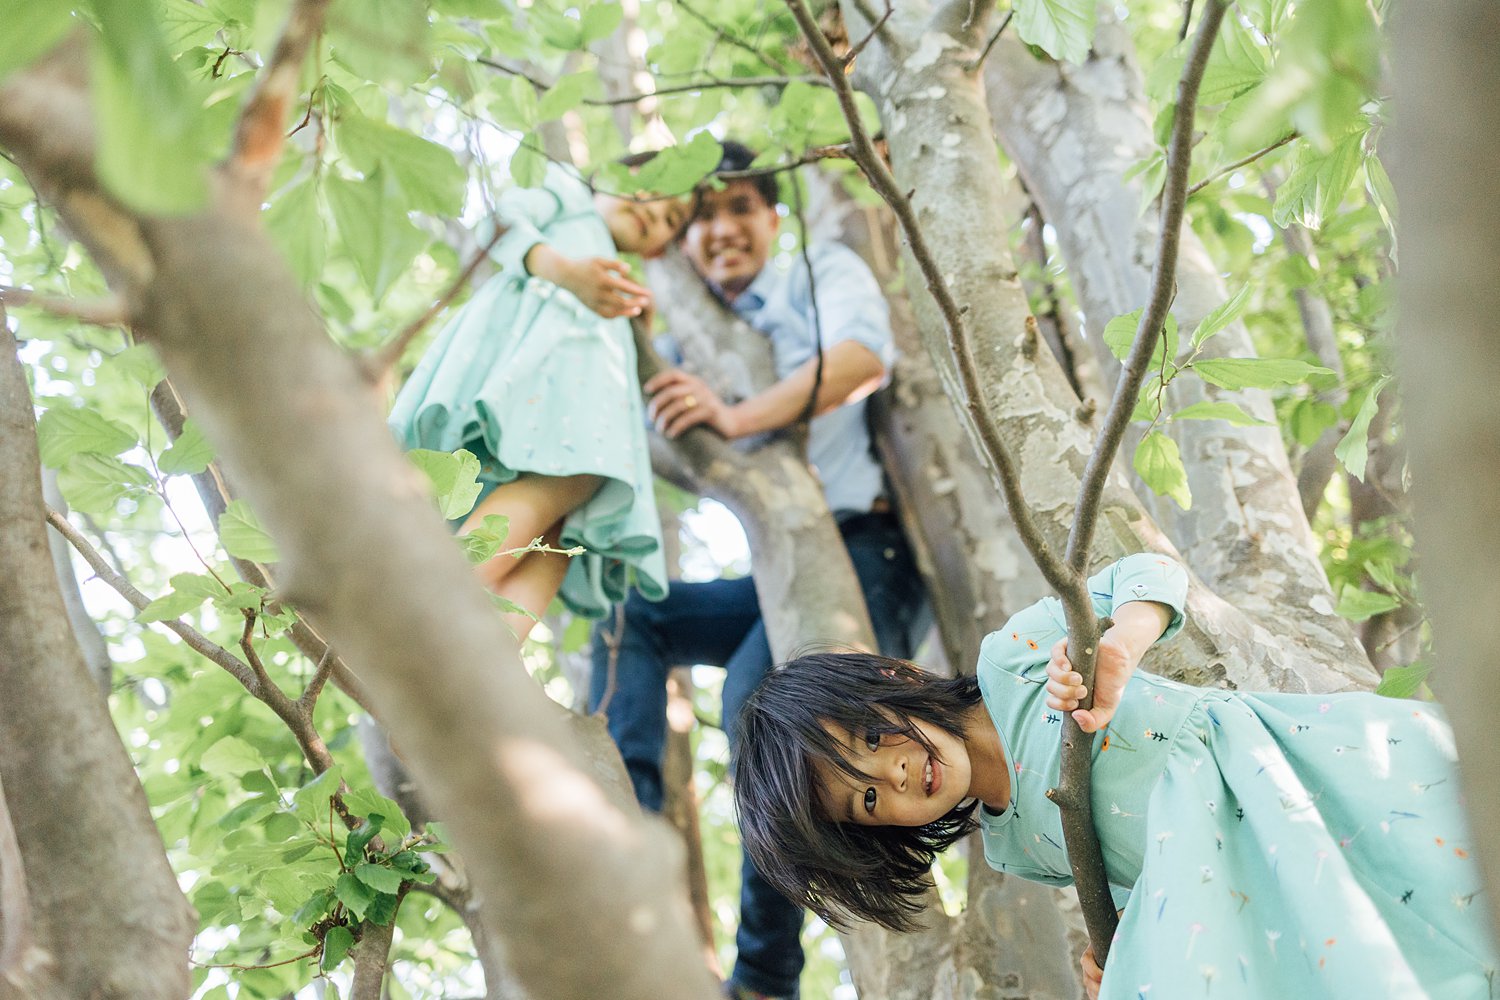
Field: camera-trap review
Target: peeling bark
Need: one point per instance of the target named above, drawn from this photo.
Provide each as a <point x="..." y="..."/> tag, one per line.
<point x="1074" y="131"/>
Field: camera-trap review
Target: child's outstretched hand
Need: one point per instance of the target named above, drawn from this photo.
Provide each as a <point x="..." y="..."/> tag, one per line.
<point x="1093" y="976"/>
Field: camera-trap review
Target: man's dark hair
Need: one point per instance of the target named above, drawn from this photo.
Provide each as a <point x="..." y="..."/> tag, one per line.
<point x="737" y="156"/>
<point x="841" y="870"/>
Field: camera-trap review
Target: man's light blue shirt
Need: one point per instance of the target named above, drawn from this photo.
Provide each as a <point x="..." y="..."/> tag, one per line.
<point x="850" y="307"/>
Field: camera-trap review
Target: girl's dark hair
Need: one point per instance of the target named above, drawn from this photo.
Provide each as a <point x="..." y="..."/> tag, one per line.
<point x="841" y="870"/>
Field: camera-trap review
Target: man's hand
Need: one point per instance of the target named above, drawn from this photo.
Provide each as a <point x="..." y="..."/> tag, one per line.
<point x="680" y="401"/>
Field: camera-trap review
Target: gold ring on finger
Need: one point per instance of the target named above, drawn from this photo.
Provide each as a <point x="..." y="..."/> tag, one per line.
<point x="690" y="400"/>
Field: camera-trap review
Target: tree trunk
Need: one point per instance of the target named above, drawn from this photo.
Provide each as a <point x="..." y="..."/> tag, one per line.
<point x="1446" y="65"/>
<point x="91" y="644"/>
<point x="299" y="430"/>
<point x="104" y="904"/>
<point x="1074" y="132"/>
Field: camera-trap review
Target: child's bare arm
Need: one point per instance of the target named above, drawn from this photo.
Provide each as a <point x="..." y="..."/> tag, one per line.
<point x="1137" y="624"/>
<point x="601" y="283"/>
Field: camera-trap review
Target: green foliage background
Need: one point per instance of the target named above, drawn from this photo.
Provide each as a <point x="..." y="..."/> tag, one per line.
<point x="414" y="117"/>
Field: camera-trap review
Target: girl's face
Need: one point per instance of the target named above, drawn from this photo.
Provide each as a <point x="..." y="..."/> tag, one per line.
<point x="907" y="787"/>
<point x="642" y="227"/>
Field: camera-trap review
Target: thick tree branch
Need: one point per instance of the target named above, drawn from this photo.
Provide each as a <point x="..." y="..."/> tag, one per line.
<point x="108" y="311"/>
<point x="261" y="131"/>
<point x="879" y="176"/>
<point x="372" y="956"/>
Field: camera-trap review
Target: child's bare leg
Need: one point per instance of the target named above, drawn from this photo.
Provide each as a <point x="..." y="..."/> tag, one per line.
<point x="533" y="583"/>
<point x="534" y="504"/>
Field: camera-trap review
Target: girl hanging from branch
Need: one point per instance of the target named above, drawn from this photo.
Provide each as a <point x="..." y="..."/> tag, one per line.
<point x="1260" y="845"/>
<point x="536" y="376"/>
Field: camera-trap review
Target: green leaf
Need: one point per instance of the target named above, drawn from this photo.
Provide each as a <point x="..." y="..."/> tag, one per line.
<point x="65" y="431"/>
<point x="336" y="944"/>
<point x="1354" y="449"/>
<point x="187" y="25"/>
<point x="371" y="216"/>
<point x="189" y="591"/>
<point x="1309" y="418"/>
<point x="379" y="877"/>
<point x="382" y="909"/>
<point x="1219" y="411"/>
<point x="678" y="169"/>
<point x="1403" y="682"/>
<point x="1064" y="29"/>
<point x="515" y="107"/>
<point x="354" y="894"/>
<point x="485" y="540"/>
<point x="454" y="478"/>
<point x="311" y="911"/>
<point x="139" y="364"/>
<point x="1222" y="315"/>
<point x="241" y="596"/>
<point x="153" y="152"/>
<point x="190" y="453"/>
<point x="32" y="28"/>
<point x="383" y="40"/>
<point x="1119" y="335"/>
<point x="428" y="174"/>
<point x="1318" y="182"/>
<point x="1159" y="464"/>
<point x="1381" y="189"/>
<point x="359" y="837"/>
<point x="1236" y="64"/>
<point x="1357" y="605"/>
<point x="296" y="225"/>
<point x="231" y="756"/>
<point x="528" y="165"/>
<point x="92" y="483"/>
<point x="1255" y="373"/>
<point x="243" y="537"/>
<point x="281" y="826"/>
<point x="564" y="95"/>
<point x="368" y="802"/>
<point x="599" y="20"/>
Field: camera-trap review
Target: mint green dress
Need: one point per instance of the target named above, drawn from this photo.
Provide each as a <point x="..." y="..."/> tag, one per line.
<point x="1262" y="845"/>
<point x="530" y="380"/>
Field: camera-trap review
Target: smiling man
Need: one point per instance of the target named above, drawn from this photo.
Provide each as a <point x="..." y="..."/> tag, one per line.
<point x="730" y="241"/>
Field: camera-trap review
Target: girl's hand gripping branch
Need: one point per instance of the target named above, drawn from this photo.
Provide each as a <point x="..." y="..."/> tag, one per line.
<point x="601" y="283"/>
<point x="1137" y="624"/>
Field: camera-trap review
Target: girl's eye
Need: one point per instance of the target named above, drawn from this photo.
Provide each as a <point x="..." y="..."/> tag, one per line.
<point x="869" y="800"/>
<point x="872" y="741"/>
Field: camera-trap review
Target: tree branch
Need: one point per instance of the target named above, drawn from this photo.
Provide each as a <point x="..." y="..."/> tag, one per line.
<point x="1072" y="794"/>
<point x="107" y="311"/>
<point x="875" y="30"/>
<point x="384" y="359"/>
<point x="372" y="956"/>
<point x="1231" y="168"/>
<point x="879" y="175"/>
<point x="711" y="83"/>
<point x="261" y="131"/>
<point x="973" y="64"/>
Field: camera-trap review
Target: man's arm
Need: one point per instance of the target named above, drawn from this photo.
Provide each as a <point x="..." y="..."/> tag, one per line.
<point x="679" y="400"/>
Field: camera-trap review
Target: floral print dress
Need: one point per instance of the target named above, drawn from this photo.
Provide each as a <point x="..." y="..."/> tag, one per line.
<point x="1261" y="845"/>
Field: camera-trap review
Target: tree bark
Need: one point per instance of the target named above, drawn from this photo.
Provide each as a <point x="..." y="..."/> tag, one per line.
<point x="105" y="905"/>
<point x="297" y="427"/>
<point x="1074" y="131"/>
<point x="91" y="644"/>
<point x="1446" y="70"/>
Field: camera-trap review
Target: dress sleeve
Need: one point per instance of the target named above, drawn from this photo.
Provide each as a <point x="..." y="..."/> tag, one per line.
<point x="1026" y="639"/>
<point x="850" y="304"/>
<point x="1144" y="576"/>
<point x="527" y="211"/>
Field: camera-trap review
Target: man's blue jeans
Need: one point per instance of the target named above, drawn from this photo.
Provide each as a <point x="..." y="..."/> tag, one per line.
<point x="719" y="623"/>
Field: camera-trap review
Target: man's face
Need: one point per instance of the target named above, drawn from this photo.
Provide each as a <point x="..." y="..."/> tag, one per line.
<point x="730" y="237"/>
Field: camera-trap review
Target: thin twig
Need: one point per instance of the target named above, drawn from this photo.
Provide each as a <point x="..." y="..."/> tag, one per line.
<point x="612" y="643"/>
<point x="1226" y="171"/>
<point x="724" y="33"/>
<point x="107" y="311"/>
<point x="973" y="64"/>
<point x="854" y="52"/>
<point x="810" y="409"/>
<point x="387" y="357"/>
<point x="868" y="13"/>
<point x="879" y="176"/>
<point x="311" y="953"/>
<point x="712" y="83"/>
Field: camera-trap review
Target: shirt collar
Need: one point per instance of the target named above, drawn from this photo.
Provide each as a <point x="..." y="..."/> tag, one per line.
<point x="756" y="294"/>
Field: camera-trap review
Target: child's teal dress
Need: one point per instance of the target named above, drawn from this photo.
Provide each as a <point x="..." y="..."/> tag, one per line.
<point x="1270" y="846"/>
<point x="530" y="380"/>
